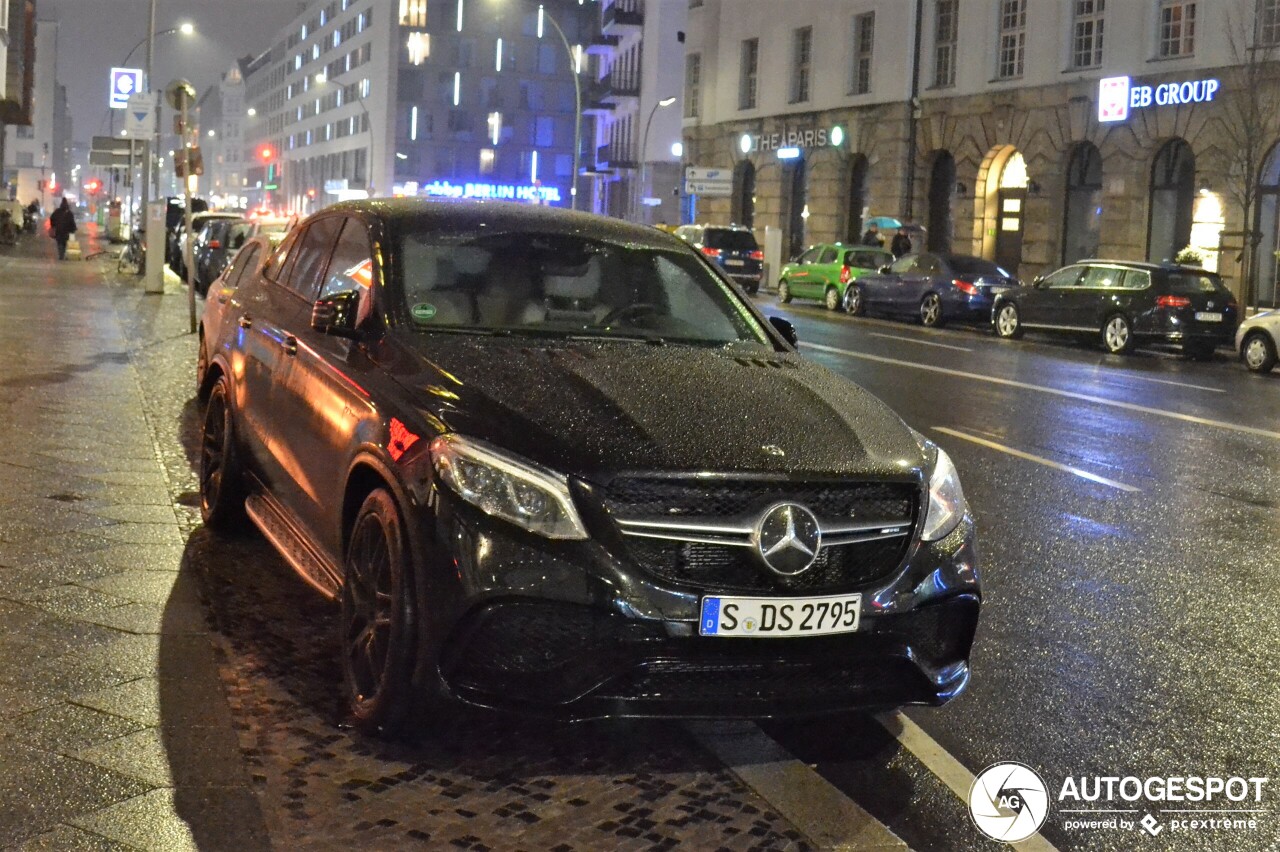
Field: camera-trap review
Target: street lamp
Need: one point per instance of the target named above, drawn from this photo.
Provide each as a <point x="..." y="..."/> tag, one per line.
<point x="322" y="79"/>
<point x="577" y="100"/>
<point x="644" y="160"/>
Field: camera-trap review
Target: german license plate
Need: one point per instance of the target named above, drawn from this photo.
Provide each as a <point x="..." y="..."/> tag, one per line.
<point x="732" y="262"/>
<point x="1208" y="316"/>
<point x="776" y="618"/>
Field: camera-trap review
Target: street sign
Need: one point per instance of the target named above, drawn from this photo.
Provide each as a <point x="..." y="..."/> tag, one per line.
<point x="140" y="118"/>
<point x="108" y="158"/>
<point x="712" y="183"/>
<point x="125" y="82"/>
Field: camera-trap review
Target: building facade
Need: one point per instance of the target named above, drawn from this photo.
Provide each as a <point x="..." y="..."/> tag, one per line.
<point x="1031" y="133"/>
<point x="32" y="151"/>
<point x="417" y="97"/>
<point x="637" y="103"/>
<point x="221" y="123"/>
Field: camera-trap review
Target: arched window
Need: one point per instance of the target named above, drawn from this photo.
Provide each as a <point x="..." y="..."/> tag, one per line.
<point x="942" y="184"/>
<point x="1082" y="222"/>
<point x="857" y="201"/>
<point x="1173" y="195"/>
<point x="797" y="207"/>
<point x="1269" y="228"/>
<point x="744" y="194"/>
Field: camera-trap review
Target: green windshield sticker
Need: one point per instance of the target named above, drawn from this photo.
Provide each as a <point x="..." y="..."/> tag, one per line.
<point x="424" y="313"/>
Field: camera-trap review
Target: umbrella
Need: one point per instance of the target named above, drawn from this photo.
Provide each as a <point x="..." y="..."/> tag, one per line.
<point x="884" y="222"/>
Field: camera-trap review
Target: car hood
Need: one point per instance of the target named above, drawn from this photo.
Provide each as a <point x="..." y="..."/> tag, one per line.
<point x="596" y="409"/>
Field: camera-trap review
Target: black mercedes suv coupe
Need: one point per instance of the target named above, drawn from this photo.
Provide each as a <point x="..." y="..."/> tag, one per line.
<point x="555" y="463"/>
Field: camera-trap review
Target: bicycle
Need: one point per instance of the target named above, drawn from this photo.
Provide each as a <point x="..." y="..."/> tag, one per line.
<point x="133" y="257"/>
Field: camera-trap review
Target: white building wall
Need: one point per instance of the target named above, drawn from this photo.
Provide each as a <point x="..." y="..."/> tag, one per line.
<point x="29" y="150"/>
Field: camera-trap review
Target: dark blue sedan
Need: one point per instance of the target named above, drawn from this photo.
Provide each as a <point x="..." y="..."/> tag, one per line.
<point x="937" y="288"/>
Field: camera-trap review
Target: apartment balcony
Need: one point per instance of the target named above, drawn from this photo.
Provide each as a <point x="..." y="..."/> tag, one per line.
<point x="603" y="45"/>
<point x="623" y="14"/>
<point x="607" y="157"/>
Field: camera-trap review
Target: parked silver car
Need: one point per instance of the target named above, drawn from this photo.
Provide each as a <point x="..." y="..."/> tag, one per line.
<point x="1258" y="340"/>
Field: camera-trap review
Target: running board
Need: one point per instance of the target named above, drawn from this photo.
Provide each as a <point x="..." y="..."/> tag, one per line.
<point x="301" y="555"/>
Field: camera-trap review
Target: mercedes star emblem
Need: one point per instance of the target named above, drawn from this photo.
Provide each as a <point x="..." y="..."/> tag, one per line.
<point x="788" y="538"/>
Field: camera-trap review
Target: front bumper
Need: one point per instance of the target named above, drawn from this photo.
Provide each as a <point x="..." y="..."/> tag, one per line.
<point x="570" y="631"/>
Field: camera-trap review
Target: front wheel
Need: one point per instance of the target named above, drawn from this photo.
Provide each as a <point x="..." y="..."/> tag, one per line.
<point x="379" y="619"/>
<point x="784" y="291"/>
<point x="1008" y="324"/>
<point x="831" y="299"/>
<point x="1259" y="352"/>
<point x="853" y="300"/>
<point x="931" y="311"/>
<point x="1117" y="336"/>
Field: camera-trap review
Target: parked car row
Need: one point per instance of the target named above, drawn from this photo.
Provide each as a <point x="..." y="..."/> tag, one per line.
<point x="1123" y="304"/>
<point x="217" y="238"/>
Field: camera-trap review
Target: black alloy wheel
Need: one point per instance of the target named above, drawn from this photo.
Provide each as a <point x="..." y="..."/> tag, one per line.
<point x="1259" y="352"/>
<point x="784" y="291"/>
<point x="1008" y="323"/>
<point x="1117" y="336"/>
<point x="931" y="311"/>
<point x="379" y="620"/>
<point x="853" y="303"/>
<point x="221" y="477"/>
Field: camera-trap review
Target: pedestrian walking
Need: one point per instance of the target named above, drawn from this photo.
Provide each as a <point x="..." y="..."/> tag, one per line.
<point x="62" y="224"/>
<point x="901" y="243"/>
<point x="872" y="237"/>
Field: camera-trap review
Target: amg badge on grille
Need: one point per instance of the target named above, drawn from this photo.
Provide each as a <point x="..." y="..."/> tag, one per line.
<point x="787" y="538"/>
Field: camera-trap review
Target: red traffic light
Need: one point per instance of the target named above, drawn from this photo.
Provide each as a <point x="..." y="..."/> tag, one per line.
<point x="311" y="193"/>
<point x="93" y="186"/>
<point x="266" y="153"/>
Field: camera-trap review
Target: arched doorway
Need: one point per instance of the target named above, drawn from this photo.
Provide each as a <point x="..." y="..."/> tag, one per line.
<point x="1269" y="228"/>
<point x="1004" y="195"/>
<point x="744" y="194"/>
<point x="1082" y="222"/>
<point x="1173" y="195"/>
<point x="797" y="206"/>
<point x="942" y="184"/>
<point x="857" y="201"/>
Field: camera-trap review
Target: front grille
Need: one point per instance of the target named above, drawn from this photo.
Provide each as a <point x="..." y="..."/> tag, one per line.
<point x="727" y="568"/>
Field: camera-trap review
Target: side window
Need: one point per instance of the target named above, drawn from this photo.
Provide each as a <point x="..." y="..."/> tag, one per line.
<point x="245" y="260"/>
<point x="904" y="264"/>
<point x="1101" y="277"/>
<point x="929" y="264"/>
<point x="304" y="274"/>
<point x="1136" y="279"/>
<point x="828" y="255"/>
<point x="277" y="266"/>
<point x="1063" y="278"/>
<point x="352" y="264"/>
<point x="811" y="256"/>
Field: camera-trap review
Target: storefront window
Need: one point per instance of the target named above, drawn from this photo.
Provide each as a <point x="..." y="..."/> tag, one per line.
<point x="942" y="186"/>
<point x="744" y="194"/>
<point x="1268" y="264"/>
<point x="1173" y="177"/>
<point x="857" y="199"/>
<point x="1082" y="230"/>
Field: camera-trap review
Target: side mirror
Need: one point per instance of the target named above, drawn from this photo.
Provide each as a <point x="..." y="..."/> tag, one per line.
<point x="1037" y="281"/>
<point x="786" y="329"/>
<point x="337" y="315"/>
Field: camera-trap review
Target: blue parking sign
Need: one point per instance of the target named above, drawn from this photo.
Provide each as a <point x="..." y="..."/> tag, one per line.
<point x="125" y="82"/>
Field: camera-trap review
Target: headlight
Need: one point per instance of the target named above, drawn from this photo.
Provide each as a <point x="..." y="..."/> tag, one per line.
<point x="531" y="497"/>
<point x="946" y="500"/>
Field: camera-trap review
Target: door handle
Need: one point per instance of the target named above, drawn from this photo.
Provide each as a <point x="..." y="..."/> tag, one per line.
<point x="246" y="321"/>
<point x="290" y="345"/>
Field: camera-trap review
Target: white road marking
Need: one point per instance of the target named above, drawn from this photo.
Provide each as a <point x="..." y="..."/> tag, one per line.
<point x="1176" y="384"/>
<point x="945" y="768"/>
<point x="1099" y="400"/>
<point x="808" y="801"/>
<point x="921" y="342"/>
<point x="1084" y="474"/>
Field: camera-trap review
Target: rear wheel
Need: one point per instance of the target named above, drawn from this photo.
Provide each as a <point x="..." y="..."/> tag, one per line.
<point x="379" y="619"/>
<point x="1117" y="336"/>
<point x="931" y="310"/>
<point x="784" y="291"/>
<point x="831" y="299"/>
<point x="853" y="301"/>
<point x="221" y="477"/>
<point x="1259" y="352"/>
<point x="1008" y="323"/>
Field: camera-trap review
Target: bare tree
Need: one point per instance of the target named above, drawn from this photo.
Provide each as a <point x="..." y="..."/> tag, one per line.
<point x="1249" y="122"/>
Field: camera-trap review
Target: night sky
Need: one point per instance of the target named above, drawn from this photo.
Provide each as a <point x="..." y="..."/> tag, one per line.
<point x="97" y="34"/>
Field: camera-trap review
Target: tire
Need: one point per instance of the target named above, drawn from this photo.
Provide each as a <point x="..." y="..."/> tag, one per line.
<point x="853" y="301"/>
<point x="931" y="311"/>
<point x="831" y="299"/>
<point x="1008" y="324"/>
<point x="379" y="620"/>
<point x="784" y="291"/>
<point x="221" y="476"/>
<point x="202" y="365"/>
<point x="1117" y="334"/>
<point x="1259" y="352"/>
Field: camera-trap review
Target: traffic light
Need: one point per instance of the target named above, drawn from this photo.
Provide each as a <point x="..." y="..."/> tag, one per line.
<point x="93" y="186"/>
<point x="311" y="193"/>
<point x="266" y="153"/>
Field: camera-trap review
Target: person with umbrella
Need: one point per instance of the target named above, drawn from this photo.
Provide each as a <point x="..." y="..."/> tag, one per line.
<point x="901" y="243"/>
<point x="872" y="236"/>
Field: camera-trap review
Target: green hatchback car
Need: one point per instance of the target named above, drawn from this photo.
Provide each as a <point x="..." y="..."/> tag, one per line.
<point x="824" y="271"/>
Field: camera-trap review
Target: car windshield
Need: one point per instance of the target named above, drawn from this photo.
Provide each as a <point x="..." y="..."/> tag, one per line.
<point x="965" y="265"/>
<point x="1189" y="283"/>
<point x="729" y="240"/>
<point x="566" y="285"/>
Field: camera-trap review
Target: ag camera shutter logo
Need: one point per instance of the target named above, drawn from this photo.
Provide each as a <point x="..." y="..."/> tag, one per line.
<point x="1008" y="802"/>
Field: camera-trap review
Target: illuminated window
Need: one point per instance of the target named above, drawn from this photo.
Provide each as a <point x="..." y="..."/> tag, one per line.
<point x="487" y="159"/>
<point x="1177" y="32"/>
<point x="413" y="13"/>
<point x="419" y="48"/>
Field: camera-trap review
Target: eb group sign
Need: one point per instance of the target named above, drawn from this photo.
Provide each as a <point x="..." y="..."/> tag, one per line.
<point x="125" y="83"/>
<point x="1118" y="95"/>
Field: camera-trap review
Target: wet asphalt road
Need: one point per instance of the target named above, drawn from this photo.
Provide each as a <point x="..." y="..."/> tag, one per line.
<point x="1130" y="625"/>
